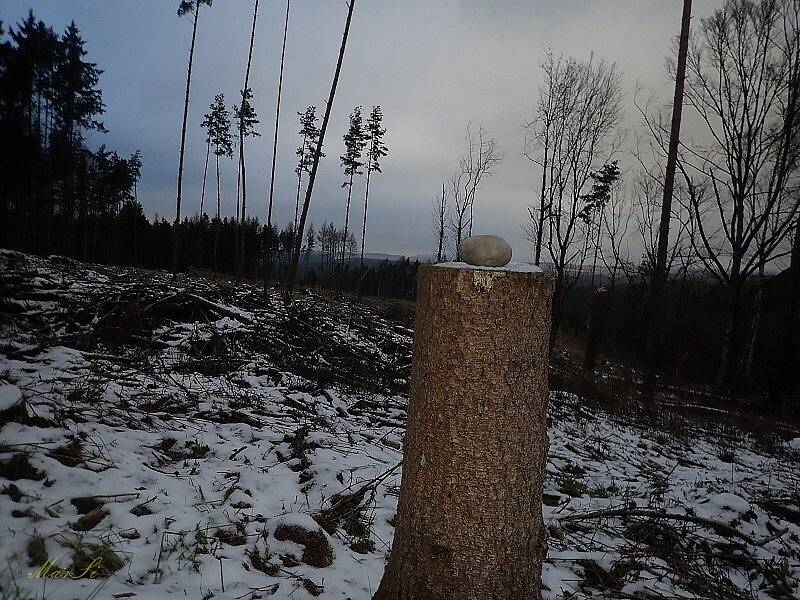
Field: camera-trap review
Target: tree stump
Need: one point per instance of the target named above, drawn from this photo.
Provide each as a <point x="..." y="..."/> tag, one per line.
<point x="469" y="521"/>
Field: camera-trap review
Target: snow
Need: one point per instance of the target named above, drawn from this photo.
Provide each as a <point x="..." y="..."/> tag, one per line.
<point x="236" y="465"/>
<point x="10" y="395"/>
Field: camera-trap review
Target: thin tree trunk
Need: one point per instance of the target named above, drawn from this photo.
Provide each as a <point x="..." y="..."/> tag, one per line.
<point x="754" y="332"/>
<point x="176" y="229"/>
<point x="655" y="326"/>
<point x="219" y="221"/>
<point x="540" y="226"/>
<point x="292" y="274"/>
<point x="242" y="225"/>
<point x="728" y="355"/>
<point x="594" y="330"/>
<point x="364" y="225"/>
<point x="441" y="226"/>
<point x="268" y="253"/>
<point x="558" y="304"/>
<point x="347" y="217"/>
<point x="297" y="199"/>
<point x="202" y="200"/>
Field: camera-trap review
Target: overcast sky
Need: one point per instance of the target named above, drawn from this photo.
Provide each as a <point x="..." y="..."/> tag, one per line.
<point x="433" y="66"/>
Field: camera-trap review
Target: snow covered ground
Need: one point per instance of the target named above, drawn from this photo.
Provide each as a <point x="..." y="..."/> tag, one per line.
<point x="189" y="440"/>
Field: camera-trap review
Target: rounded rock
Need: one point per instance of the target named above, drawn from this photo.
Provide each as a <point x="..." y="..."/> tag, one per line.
<point x="485" y="251"/>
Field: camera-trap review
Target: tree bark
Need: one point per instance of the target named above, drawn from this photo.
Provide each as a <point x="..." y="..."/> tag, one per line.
<point x="469" y="522"/>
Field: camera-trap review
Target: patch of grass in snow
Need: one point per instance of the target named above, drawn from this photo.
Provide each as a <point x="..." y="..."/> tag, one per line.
<point x="570" y="482"/>
<point x="36" y="548"/>
<point x="19" y="467"/>
<point x="142" y="509"/>
<point x="317" y="551"/>
<point x="87" y="554"/>
<point x="86" y="505"/>
<point x="260" y="560"/>
<point x="233" y="536"/>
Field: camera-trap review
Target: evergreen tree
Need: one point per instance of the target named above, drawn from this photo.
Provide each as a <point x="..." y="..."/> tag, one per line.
<point x="309" y="133"/>
<point x="78" y="102"/>
<point x="246" y="119"/>
<point x="377" y="150"/>
<point x="218" y="125"/>
<point x="354" y="141"/>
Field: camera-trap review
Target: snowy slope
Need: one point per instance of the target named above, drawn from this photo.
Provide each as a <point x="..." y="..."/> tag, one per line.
<point x="195" y="438"/>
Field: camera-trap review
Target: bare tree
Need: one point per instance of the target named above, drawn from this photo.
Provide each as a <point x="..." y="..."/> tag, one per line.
<point x="615" y="251"/>
<point x="440" y="214"/>
<point x="480" y="161"/>
<point x="646" y="212"/>
<point x="543" y="136"/>
<point x="571" y="135"/>
<point x="292" y="274"/>
<point x="742" y="85"/>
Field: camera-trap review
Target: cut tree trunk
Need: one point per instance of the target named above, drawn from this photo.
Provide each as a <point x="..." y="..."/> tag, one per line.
<point x="469" y="521"/>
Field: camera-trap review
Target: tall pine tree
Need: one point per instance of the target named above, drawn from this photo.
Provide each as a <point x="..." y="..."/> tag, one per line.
<point x="309" y="133"/>
<point x="217" y="123"/>
<point x="246" y="120"/>
<point x="354" y="141"/>
<point x="377" y="150"/>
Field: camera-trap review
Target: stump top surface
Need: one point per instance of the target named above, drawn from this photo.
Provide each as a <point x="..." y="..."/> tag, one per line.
<point x="513" y="266"/>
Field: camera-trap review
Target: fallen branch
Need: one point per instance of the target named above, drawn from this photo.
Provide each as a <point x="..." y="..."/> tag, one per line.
<point x="717" y="526"/>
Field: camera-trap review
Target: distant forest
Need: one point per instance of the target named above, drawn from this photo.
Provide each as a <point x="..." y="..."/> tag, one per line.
<point x="59" y="196"/>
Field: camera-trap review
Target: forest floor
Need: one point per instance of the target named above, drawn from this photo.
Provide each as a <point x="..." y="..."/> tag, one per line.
<point x="188" y="439"/>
